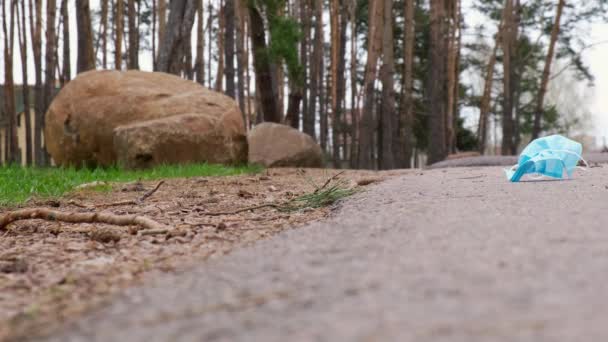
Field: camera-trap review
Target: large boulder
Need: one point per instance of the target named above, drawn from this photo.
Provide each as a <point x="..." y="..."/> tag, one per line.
<point x="273" y="145"/>
<point x="141" y="119"/>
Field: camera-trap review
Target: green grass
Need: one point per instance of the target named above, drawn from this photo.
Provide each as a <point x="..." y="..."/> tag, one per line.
<point x="17" y="184"/>
<point x="329" y="194"/>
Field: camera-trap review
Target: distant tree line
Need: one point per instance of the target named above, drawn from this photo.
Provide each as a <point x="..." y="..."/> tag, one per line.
<point x="378" y="83"/>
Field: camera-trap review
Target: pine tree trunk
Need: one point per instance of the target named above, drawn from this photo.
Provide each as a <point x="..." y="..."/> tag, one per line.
<point x="219" y="77"/>
<point x="171" y="49"/>
<point x="162" y="21"/>
<point x="406" y="118"/>
<point x="249" y="101"/>
<point x="484" y="107"/>
<point x="86" y="57"/>
<point x="22" y="34"/>
<point x="316" y="70"/>
<point x="35" y="19"/>
<point x="66" y="75"/>
<point x="374" y="48"/>
<point x="49" y="87"/>
<point x="452" y="76"/>
<point x="229" y="47"/>
<point x="9" y="86"/>
<point x="104" y="34"/>
<point x="540" y="98"/>
<point x="343" y="131"/>
<point x="210" y="47"/>
<point x="335" y="22"/>
<point x="354" y="110"/>
<point x="323" y="103"/>
<point x="387" y="71"/>
<point x="133" y="62"/>
<point x="240" y="58"/>
<point x="304" y="43"/>
<point x="119" y="23"/>
<point x="199" y="64"/>
<point x="265" y="87"/>
<point x="436" y="80"/>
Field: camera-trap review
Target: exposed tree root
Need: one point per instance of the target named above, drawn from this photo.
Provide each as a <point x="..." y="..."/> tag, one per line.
<point x="72" y="217"/>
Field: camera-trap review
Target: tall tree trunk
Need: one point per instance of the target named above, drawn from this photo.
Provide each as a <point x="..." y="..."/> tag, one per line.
<point x="354" y="110"/>
<point x="436" y="80"/>
<point x="49" y="87"/>
<point x="337" y="63"/>
<point x="316" y="70"/>
<point x="35" y="19"/>
<point x="119" y="23"/>
<point x="219" y="78"/>
<point x="162" y="21"/>
<point x="406" y="119"/>
<point x="171" y="49"/>
<point x="323" y="106"/>
<point x="484" y="107"/>
<point x="210" y="47"/>
<point x="229" y="16"/>
<point x="507" y="46"/>
<point x="452" y="75"/>
<point x="66" y="75"/>
<point x="187" y="68"/>
<point x="86" y="57"/>
<point x="104" y="34"/>
<point x="304" y="11"/>
<point x="294" y="85"/>
<point x="22" y="34"/>
<point x="9" y="86"/>
<point x="240" y="58"/>
<point x="342" y="83"/>
<point x="133" y="62"/>
<point x="199" y="64"/>
<point x="249" y="102"/>
<point x="374" y="48"/>
<point x="265" y="86"/>
<point x="387" y="71"/>
<point x="540" y="98"/>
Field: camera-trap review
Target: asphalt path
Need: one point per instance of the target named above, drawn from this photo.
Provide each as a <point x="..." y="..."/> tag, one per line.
<point x="455" y="254"/>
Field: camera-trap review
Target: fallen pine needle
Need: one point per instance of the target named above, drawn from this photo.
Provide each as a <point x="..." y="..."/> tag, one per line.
<point x="220" y="213"/>
<point x="72" y="217"/>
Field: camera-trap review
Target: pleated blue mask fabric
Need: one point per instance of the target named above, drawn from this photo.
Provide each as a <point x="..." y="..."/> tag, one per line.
<point x="550" y="156"/>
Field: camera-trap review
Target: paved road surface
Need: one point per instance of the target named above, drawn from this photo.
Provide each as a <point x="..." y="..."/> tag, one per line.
<point x="440" y="255"/>
<point x="591" y="157"/>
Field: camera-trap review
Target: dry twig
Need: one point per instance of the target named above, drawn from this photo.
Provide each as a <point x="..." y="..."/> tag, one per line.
<point x="120" y="203"/>
<point x="151" y="192"/>
<point x="72" y="217"/>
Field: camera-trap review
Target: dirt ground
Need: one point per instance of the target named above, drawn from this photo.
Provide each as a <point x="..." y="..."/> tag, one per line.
<point x="51" y="272"/>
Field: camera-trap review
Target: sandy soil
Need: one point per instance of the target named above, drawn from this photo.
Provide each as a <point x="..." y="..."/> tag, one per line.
<point x="51" y="272"/>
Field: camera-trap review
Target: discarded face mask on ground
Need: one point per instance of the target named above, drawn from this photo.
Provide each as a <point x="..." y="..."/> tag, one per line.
<point x="548" y="156"/>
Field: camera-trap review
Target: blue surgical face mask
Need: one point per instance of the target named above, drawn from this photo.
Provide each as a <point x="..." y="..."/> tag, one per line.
<point x="548" y="156"/>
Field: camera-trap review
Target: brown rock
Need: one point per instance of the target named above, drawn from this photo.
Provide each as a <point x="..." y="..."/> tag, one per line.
<point x="274" y="145"/>
<point x="142" y="119"/>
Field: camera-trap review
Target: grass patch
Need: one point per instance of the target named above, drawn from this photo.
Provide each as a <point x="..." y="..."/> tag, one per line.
<point x="17" y="184"/>
<point x="322" y="197"/>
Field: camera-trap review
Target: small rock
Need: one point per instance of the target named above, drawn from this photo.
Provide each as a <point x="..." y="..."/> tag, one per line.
<point x="105" y="236"/>
<point x="245" y="194"/>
